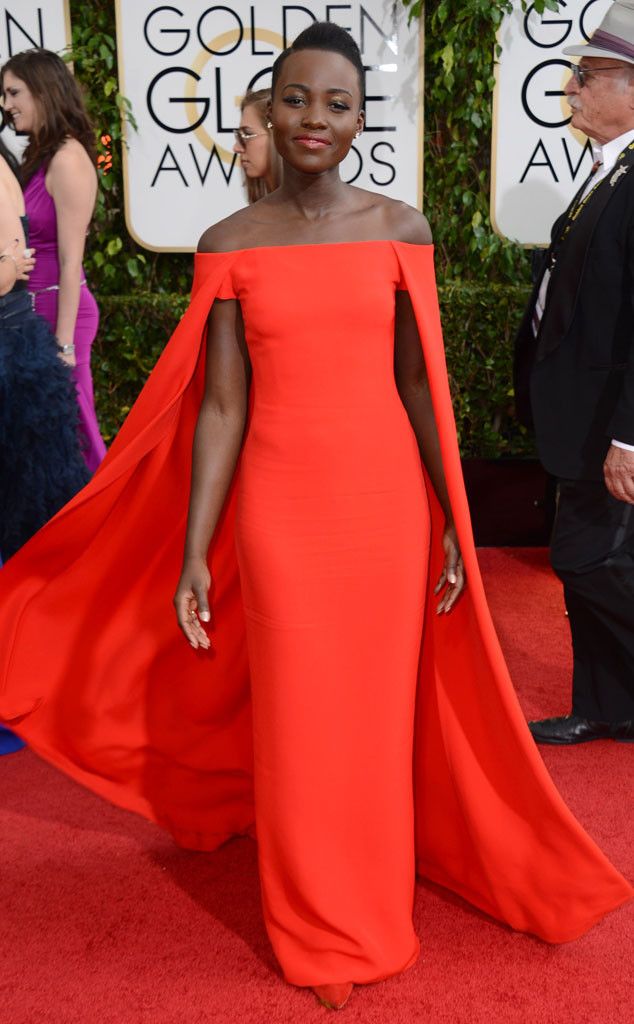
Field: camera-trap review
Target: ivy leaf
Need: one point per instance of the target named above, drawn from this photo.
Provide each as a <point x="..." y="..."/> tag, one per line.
<point x="447" y="56"/>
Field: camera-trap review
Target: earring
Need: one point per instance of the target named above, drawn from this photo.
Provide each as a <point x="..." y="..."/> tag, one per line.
<point x="358" y="133"/>
<point x="269" y="123"/>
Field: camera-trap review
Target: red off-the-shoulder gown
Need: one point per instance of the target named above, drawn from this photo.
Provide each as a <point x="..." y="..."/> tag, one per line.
<point x="360" y="753"/>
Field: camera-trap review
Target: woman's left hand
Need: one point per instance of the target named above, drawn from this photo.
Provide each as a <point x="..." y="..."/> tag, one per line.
<point x="23" y="261"/>
<point x="26" y="264"/>
<point x="452" y="577"/>
<point x="67" y="357"/>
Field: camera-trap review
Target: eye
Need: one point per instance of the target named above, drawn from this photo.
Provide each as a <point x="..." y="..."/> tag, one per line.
<point x="339" y="105"/>
<point x="293" y="101"/>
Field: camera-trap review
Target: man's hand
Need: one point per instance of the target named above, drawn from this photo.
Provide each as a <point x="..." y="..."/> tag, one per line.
<point x="618" y="472"/>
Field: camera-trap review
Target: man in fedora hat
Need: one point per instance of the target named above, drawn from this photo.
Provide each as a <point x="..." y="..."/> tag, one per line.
<point x="575" y="384"/>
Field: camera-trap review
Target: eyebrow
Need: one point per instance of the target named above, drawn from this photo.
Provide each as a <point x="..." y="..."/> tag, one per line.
<point x="306" y="88"/>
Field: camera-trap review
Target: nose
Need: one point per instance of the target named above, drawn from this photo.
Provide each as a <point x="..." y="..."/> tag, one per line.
<point x="238" y="147"/>
<point x="313" y="118"/>
<point x="571" y="86"/>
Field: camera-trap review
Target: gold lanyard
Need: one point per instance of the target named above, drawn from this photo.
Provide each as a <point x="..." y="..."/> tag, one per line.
<point x="582" y="200"/>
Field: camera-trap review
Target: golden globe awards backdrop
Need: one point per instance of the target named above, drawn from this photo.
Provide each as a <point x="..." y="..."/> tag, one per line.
<point x="538" y="160"/>
<point x="185" y="67"/>
<point x="24" y="24"/>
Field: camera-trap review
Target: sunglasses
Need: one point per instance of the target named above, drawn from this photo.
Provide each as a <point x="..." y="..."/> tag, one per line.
<point x="243" y="137"/>
<point x="581" y="75"/>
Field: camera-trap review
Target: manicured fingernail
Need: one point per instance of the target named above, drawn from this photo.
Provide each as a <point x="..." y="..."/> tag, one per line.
<point x="205" y="616"/>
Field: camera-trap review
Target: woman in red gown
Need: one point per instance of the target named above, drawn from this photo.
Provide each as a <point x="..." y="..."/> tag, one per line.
<point x="310" y="369"/>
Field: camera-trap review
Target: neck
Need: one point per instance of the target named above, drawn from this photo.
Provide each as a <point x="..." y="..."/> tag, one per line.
<point x="616" y="133"/>
<point x="313" y="195"/>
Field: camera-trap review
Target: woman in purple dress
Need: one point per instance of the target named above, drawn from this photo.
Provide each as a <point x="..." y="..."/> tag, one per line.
<point x="43" y="100"/>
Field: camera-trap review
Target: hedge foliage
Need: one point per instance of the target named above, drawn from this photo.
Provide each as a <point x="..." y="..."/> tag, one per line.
<point x="478" y="326"/>
<point x="133" y="330"/>
<point x="460" y="54"/>
<point x="483" y="279"/>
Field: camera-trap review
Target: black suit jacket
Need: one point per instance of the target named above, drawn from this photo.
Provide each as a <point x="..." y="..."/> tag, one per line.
<point x="574" y="383"/>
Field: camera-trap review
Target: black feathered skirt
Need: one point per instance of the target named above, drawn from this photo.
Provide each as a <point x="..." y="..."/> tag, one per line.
<point x="41" y="466"/>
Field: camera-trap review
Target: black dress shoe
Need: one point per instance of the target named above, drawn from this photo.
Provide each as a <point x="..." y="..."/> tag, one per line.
<point x="569" y="729"/>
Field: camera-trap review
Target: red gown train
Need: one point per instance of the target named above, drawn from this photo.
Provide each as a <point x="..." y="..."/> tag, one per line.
<point x="317" y="696"/>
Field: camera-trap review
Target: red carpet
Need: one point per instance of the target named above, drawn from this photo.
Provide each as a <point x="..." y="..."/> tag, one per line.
<point x="104" y="921"/>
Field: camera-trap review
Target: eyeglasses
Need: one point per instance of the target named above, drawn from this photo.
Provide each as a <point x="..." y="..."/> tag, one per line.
<point x="581" y="75"/>
<point x="243" y="137"/>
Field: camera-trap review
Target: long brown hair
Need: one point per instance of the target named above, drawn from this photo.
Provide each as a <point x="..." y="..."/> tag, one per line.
<point x="60" y="105"/>
<point x="256" y="187"/>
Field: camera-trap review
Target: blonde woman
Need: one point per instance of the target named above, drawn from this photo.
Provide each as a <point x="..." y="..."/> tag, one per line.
<point x="259" y="159"/>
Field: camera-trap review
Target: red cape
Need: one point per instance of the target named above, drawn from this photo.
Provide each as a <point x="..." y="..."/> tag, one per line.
<point x="96" y="676"/>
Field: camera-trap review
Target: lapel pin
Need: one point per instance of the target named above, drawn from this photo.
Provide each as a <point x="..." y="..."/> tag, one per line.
<point x="617" y="174"/>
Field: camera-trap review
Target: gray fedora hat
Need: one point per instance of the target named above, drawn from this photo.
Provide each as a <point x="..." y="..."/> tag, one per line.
<point x="614" y="37"/>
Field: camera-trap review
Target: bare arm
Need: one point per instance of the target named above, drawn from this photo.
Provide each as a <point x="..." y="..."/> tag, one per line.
<point x="413" y="387"/>
<point x="217" y="443"/>
<point x="72" y="184"/>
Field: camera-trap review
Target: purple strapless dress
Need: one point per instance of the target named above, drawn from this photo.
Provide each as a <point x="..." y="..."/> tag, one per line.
<point x="43" y="284"/>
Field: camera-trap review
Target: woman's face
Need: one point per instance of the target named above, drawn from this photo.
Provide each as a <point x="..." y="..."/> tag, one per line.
<point x="316" y="110"/>
<point x="19" y="103"/>
<point x="254" y="146"/>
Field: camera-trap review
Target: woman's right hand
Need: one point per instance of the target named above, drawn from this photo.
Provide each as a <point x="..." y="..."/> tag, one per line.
<point x="191" y="602"/>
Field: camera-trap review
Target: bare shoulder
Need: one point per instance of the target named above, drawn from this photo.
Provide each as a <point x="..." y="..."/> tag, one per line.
<point x="71" y="178"/>
<point x="229" y="234"/>
<point x="392" y="218"/>
<point x="408" y="224"/>
<point x="71" y="157"/>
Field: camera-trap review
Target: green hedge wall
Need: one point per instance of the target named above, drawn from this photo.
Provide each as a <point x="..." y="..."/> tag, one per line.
<point x="478" y="322"/>
<point x="133" y="331"/>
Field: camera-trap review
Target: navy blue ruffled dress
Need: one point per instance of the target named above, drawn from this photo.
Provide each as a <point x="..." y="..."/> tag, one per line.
<point x="41" y="466"/>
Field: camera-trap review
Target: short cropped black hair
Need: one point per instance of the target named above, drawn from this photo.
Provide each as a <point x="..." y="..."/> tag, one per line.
<point x="324" y="35"/>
